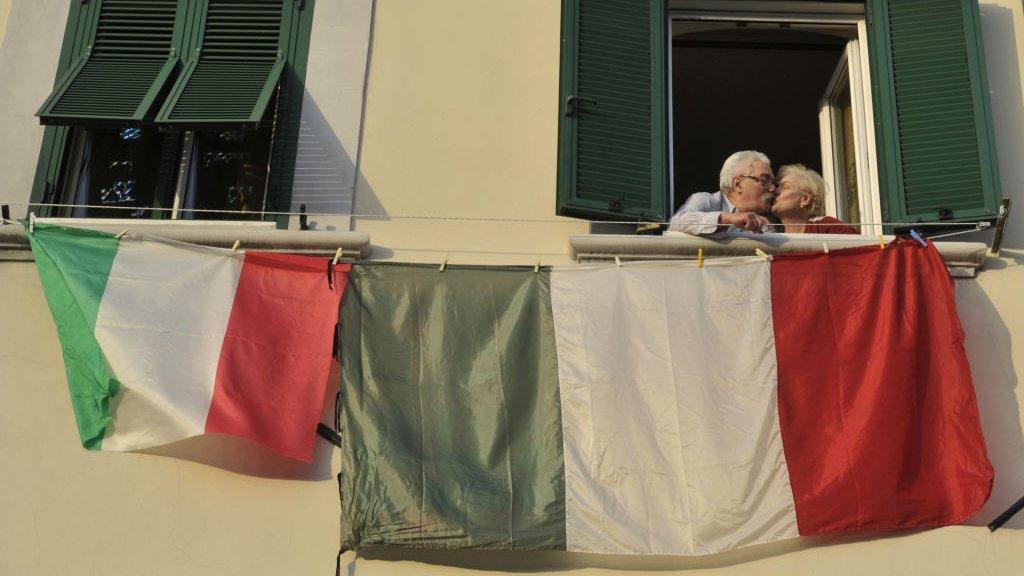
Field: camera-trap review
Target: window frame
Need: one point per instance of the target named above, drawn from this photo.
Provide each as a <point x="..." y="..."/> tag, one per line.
<point x="903" y="190"/>
<point x="864" y="139"/>
<point x="856" y="73"/>
<point x="56" y="149"/>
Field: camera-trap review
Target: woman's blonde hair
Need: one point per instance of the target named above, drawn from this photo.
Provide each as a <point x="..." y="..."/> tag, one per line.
<point x="808" y="181"/>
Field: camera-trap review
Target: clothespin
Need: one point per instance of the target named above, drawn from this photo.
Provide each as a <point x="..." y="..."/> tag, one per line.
<point x="920" y="240"/>
<point x="122" y="233"/>
<point x="825" y="246"/>
<point x="618" y="262"/>
<point x="336" y="256"/>
<point x="536" y="267"/>
<point x="881" y="242"/>
<point x="444" y="264"/>
<point x="762" y="254"/>
<point x="234" y="247"/>
<point x="31" y="222"/>
<point x="700" y="257"/>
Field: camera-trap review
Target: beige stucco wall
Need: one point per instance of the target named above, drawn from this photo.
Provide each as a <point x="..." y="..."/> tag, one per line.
<point x="29" y="51"/>
<point x="459" y="120"/>
<point x="5" y="7"/>
<point x="332" y="113"/>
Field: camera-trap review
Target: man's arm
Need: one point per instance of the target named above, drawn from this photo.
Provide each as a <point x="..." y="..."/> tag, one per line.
<point x="702" y="216"/>
<point x="698" y="216"/>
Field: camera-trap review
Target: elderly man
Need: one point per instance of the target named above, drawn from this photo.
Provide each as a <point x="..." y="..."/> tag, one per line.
<point x="746" y="190"/>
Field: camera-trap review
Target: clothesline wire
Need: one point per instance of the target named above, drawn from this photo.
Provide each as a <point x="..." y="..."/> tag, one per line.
<point x="978" y="225"/>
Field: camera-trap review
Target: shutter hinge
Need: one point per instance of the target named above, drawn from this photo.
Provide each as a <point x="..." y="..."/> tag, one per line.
<point x="300" y="4"/>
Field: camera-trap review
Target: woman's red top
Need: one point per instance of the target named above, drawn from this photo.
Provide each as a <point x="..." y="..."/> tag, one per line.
<point x="828" y="225"/>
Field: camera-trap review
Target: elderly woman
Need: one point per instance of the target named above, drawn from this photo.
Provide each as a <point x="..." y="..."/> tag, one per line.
<point x="800" y="201"/>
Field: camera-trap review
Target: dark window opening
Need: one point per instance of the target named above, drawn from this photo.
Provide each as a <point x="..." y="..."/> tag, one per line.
<point x="230" y="172"/>
<point x="119" y="172"/>
<point x="738" y="87"/>
<point x="125" y="172"/>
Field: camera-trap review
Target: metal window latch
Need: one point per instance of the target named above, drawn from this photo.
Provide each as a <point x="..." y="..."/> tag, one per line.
<point x="945" y="213"/>
<point x="997" y="241"/>
<point x="572" y="99"/>
<point x="615" y="205"/>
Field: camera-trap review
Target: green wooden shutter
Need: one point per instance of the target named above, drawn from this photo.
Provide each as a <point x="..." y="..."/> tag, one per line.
<point x="612" y="134"/>
<point x="936" y="149"/>
<point x="122" y="73"/>
<point x="232" y="78"/>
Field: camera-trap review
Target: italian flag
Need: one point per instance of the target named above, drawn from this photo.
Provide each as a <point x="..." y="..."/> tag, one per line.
<point x="164" y="340"/>
<point x="656" y="408"/>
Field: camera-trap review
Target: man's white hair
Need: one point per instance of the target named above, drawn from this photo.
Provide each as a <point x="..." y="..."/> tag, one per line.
<point x="733" y="164"/>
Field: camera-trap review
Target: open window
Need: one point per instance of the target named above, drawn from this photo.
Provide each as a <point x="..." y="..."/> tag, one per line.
<point x="174" y="109"/>
<point x="886" y="98"/>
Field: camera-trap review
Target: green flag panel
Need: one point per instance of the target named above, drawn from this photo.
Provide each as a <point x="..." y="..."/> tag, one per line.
<point x="73" y="267"/>
<point x="129" y="63"/>
<point x="451" y="412"/>
<point x="240" y="63"/>
<point x="936" y="145"/>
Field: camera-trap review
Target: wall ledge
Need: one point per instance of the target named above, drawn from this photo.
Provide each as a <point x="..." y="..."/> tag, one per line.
<point x="355" y="245"/>
<point x="963" y="259"/>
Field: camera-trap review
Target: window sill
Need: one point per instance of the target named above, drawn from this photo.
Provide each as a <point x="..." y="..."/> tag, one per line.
<point x="146" y="225"/>
<point x="963" y="259"/>
<point x="251" y="236"/>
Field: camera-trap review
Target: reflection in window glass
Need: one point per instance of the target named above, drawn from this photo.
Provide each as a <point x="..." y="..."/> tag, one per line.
<point x="230" y="172"/>
<point x="121" y="168"/>
<point x="851" y="208"/>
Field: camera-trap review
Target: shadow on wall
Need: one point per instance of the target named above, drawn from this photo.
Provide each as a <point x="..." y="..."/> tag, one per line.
<point x="1003" y="62"/>
<point x="366" y="202"/>
<point x="325" y="173"/>
<point x="990" y="349"/>
<point x="554" y="560"/>
<point x="243" y="457"/>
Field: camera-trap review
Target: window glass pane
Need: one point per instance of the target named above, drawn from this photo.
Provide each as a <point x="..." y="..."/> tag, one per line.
<point x="119" y="168"/>
<point x="230" y="172"/>
<point x="851" y="210"/>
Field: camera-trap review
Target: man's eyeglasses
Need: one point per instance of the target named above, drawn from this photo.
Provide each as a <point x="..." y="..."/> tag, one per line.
<point x="764" y="180"/>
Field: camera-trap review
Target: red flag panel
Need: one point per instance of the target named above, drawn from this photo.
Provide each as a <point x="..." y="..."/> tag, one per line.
<point x="276" y="356"/>
<point x="876" y="405"/>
